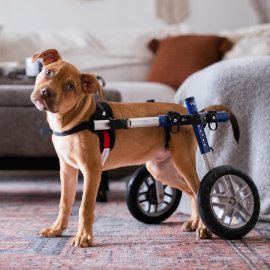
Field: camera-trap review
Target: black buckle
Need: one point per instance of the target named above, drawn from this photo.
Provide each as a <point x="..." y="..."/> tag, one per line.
<point x="212" y="118"/>
<point x="174" y="120"/>
<point x="119" y="123"/>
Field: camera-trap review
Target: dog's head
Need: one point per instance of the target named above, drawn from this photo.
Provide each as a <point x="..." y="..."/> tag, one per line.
<point x="59" y="86"/>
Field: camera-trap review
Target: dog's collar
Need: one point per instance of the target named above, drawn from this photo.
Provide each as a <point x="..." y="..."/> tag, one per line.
<point x="98" y="114"/>
<point x="82" y="126"/>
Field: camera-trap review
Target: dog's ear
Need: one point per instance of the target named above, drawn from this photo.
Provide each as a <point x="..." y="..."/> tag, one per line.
<point x="48" y="57"/>
<point x="91" y="85"/>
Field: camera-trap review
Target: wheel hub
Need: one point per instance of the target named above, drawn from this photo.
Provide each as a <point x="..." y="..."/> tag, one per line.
<point x="232" y="201"/>
<point x="151" y="194"/>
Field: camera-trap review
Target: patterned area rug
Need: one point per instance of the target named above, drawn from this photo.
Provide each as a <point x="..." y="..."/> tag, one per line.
<point x="121" y="242"/>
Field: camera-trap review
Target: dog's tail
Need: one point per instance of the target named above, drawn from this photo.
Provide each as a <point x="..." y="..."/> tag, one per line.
<point x="233" y="120"/>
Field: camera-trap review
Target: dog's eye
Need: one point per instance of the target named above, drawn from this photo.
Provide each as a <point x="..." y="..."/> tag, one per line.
<point x="69" y="87"/>
<point x="49" y="73"/>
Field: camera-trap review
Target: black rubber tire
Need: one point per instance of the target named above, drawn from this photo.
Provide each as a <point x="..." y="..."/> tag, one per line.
<point x="133" y="188"/>
<point x="205" y="210"/>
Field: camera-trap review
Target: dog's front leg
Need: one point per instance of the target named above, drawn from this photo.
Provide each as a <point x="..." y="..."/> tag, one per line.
<point x="69" y="179"/>
<point x="92" y="175"/>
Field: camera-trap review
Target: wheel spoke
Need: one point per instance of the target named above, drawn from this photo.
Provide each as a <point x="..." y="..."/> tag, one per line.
<point x="230" y="213"/>
<point x="220" y="204"/>
<point x="246" y="196"/>
<point x="226" y="209"/>
<point x="156" y="207"/>
<point x="149" y="208"/>
<point x="229" y="184"/>
<point x="219" y="199"/>
<point x="142" y="201"/>
<point x="231" y="216"/>
<point x="225" y="185"/>
<point x="219" y="195"/>
<point x="243" y="209"/>
<point x="167" y="194"/>
<point x="242" y="217"/>
<point x="145" y="181"/>
<point x="242" y="189"/>
<point x="142" y="193"/>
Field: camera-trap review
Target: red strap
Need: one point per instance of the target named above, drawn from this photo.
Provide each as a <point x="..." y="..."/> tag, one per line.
<point x="106" y="139"/>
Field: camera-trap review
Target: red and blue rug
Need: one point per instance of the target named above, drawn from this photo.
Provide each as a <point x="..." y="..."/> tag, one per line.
<point x="121" y="242"/>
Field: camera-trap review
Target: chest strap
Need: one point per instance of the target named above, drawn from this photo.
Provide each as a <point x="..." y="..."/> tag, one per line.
<point x="106" y="137"/>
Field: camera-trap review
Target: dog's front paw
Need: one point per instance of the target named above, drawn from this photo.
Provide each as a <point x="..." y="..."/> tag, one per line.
<point x="203" y="233"/>
<point x="83" y="240"/>
<point x="50" y="232"/>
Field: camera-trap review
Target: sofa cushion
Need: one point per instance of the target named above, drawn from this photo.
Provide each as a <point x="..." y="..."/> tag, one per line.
<point x="143" y="91"/>
<point x="180" y="56"/>
<point x="16" y="95"/>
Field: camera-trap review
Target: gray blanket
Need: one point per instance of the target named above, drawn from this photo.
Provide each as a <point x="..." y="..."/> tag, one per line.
<point x="243" y="85"/>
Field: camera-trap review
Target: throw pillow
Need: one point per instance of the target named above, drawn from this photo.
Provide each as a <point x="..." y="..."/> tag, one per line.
<point x="180" y="56"/>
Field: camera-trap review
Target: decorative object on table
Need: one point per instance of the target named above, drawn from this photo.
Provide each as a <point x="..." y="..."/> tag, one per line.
<point x="32" y="69"/>
<point x="172" y="11"/>
<point x="262" y="9"/>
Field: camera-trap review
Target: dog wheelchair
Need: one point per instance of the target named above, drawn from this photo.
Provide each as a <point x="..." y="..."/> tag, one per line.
<point x="227" y="198"/>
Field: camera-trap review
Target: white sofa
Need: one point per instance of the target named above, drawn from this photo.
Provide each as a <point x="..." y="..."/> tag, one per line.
<point x="121" y="58"/>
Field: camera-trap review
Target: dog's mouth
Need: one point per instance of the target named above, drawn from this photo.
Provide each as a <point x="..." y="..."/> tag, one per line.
<point x="44" y="105"/>
<point x="44" y="99"/>
<point x="41" y="104"/>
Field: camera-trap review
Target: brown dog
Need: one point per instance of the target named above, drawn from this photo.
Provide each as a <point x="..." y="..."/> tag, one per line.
<point x="65" y="94"/>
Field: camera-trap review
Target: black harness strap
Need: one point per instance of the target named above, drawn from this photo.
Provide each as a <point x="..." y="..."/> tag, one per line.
<point x="103" y="112"/>
<point x="167" y="136"/>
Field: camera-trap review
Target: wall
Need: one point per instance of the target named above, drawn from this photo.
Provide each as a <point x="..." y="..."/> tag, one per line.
<point x="215" y="15"/>
<point x="205" y="15"/>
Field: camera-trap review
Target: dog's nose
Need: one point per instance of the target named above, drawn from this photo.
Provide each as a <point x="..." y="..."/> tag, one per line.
<point x="46" y="92"/>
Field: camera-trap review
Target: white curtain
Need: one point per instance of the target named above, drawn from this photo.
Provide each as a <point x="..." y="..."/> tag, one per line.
<point x="262" y="9"/>
<point x="172" y="11"/>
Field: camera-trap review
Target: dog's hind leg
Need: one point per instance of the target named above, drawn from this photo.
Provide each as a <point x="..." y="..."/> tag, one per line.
<point x="184" y="159"/>
<point x="165" y="172"/>
<point x="69" y="179"/>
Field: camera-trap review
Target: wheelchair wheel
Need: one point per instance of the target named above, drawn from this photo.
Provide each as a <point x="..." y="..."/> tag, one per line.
<point x="142" y="199"/>
<point x="228" y="202"/>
